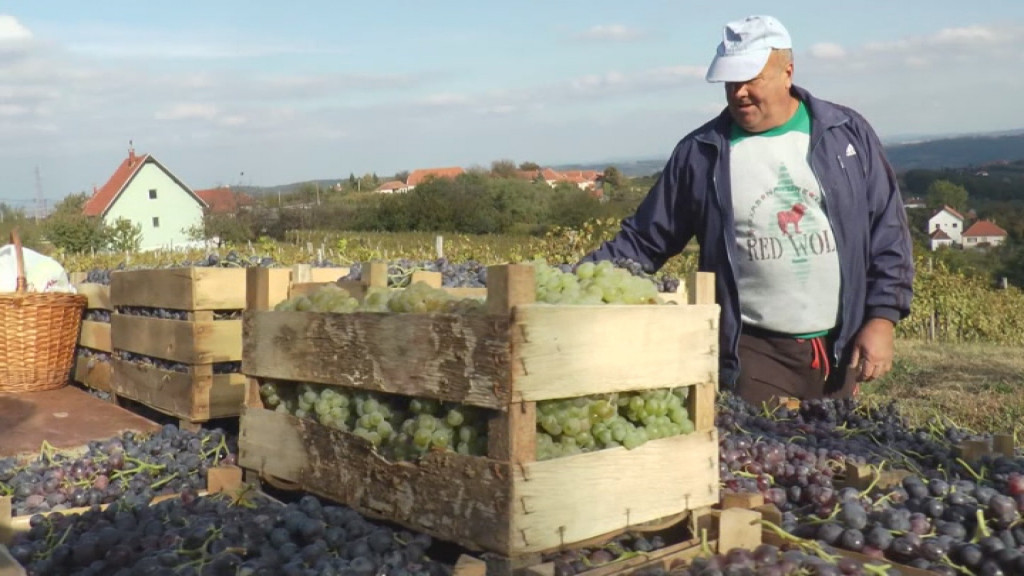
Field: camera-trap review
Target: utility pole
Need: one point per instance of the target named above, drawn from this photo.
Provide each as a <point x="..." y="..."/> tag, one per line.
<point x="39" y="194"/>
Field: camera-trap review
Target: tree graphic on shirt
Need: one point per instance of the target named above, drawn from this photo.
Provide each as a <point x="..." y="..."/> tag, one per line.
<point x="794" y="220"/>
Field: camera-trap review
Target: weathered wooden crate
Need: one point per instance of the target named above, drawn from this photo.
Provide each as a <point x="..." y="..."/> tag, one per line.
<point x="94" y="372"/>
<point x="268" y="287"/>
<point x="199" y="394"/>
<point x="507" y="360"/>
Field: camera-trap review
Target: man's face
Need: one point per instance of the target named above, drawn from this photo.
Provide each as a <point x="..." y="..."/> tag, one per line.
<point x="763" y="102"/>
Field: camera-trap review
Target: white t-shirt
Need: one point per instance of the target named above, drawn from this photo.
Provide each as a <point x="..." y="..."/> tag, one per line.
<point x="789" y="276"/>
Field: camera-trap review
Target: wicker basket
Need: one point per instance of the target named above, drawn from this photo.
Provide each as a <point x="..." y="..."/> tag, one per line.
<point x="38" y="334"/>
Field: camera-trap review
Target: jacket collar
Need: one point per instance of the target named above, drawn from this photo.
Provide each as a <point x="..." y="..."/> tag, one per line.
<point x="824" y="115"/>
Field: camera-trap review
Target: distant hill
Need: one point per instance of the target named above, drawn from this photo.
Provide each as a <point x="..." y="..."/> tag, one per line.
<point x="957" y="152"/>
<point x="937" y="153"/>
<point x="934" y="153"/>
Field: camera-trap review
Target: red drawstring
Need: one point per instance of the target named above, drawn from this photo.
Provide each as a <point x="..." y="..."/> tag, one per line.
<point x="820" y="357"/>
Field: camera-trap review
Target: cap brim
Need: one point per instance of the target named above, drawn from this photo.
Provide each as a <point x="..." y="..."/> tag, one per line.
<point x="726" y="68"/>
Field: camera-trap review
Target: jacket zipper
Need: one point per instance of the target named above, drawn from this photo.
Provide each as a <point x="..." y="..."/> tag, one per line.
<point x="836" y="353"/>
<point x="728" y="253"/>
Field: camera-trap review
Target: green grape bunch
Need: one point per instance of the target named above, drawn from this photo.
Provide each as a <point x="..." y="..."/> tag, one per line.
<point x="398" y="427"/>
<point x="629" y="419"/>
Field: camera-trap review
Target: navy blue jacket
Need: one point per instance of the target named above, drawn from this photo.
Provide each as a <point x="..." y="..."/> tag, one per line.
<point x="692" y="198"/>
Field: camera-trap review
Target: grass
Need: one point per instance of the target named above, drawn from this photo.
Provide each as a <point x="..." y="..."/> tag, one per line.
<point x="977" y="386"/>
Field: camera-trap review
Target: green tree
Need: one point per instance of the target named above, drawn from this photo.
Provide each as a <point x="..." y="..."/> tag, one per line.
<point x="69" y="229"/>
<point x="945" y="193"/>
<point x="403" y="175"/>
<point x="528" y="166"/>
<point x="503" y="169"/>
<point x="124" y="236"/>
<point x="613" y="177"/>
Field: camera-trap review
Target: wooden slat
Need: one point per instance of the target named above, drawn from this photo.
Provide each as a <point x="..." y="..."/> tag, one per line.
<point x="565" y="500"/>
<point x="98" y="295"/>
<point x="8" y="565"/>
<point x="459" y="358"/>
<point x="700" y="288"/>
<point x="463" y="292"/>
<point x="327" y="274"/>
<point x="446" y="495"/>
<point x="189" y="342"/>
<point x="571" y="351"/>
<point x="192" y="397"/>
<point x="700" y="404"/>
<point x="180" y="288"/>
<point x="266" y="287"/>
<point x="95" y="335"/>
<point x="94" y="373"/>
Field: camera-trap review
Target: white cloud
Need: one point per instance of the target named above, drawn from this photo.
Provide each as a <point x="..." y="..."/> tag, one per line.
<point x="827" y="51"/>
<point x="188" y="111"/>
<point x="967" y="35"/>
<point x="611" y="33"/>
<point x="12" y="30"/>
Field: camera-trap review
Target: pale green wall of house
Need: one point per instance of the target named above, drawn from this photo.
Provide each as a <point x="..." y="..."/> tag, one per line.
<point x="176" y="209"/>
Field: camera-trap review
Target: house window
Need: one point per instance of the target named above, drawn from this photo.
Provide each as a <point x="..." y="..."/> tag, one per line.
<point x="156" y="222"/>
<point x="954" y="224"/>
<point x="152" y="193"/>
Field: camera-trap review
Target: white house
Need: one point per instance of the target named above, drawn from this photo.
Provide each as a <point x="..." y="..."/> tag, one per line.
<point x="940" y="239"/>
<point x="983" y="233"/>
<point x="143" y="191"/>
<point x="949" y="221"/>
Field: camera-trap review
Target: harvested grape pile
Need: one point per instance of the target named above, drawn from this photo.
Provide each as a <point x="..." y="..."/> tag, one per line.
<point x="221" y="535"/>
<point x="946" y="515"/>
<point x="129" y="469"/>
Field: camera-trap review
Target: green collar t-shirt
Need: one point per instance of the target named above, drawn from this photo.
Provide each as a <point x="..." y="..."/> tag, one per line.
<point x="788" y="265"/>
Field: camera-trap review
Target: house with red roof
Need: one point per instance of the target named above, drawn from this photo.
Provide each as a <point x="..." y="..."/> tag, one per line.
<point x="145" y="192"/>
<point x="419" y="176"/>
<point x="392" y="187"/>
<point x="939" y="239"/>
<point x="224" y="200"/>
<point x="949" y="221"/>
<point x="983" y="233"/>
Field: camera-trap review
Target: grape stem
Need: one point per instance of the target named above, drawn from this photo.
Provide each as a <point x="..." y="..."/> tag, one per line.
<point x="982" y="530"/>
<point x="977" y="477"/>
<point x="159" y="483"/>
<point x="874" y="482"/>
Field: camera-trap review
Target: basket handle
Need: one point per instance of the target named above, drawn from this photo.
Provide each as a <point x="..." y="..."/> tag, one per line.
<point x="22" y="282"/>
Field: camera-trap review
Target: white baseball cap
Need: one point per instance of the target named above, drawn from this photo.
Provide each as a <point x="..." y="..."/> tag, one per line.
<point x="746" y="45"/>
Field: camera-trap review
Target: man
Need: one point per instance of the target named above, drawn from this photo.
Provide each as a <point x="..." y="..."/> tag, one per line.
<point x="798" y="214"/>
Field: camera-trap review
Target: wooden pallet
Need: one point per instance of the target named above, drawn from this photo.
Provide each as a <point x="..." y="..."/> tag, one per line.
<point x="67" y="418"/>
<point x="717" y="531"/>
<point x="506" y="361"/>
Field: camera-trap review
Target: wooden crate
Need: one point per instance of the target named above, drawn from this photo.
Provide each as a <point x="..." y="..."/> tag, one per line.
<point x="197" y="395"/>
<point x="507" y="360"/>
<point x="268" y="287"/>
<point x="94" y="335"/>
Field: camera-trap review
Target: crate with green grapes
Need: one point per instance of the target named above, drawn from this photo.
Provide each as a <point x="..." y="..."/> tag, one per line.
<point x="559" y="407"/>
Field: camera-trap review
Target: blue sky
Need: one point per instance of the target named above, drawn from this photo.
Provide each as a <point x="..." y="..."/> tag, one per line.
<point x="289" y="91"/>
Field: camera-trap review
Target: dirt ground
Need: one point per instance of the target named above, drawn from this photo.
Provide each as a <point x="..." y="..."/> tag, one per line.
<point x="972" y="385"/>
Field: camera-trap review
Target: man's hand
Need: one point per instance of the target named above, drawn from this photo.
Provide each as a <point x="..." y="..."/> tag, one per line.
<point x="873" y="349"/>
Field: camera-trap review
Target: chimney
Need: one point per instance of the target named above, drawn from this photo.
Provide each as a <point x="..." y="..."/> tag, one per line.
<point x="131" y="154"/>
